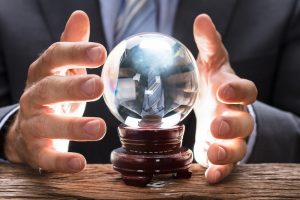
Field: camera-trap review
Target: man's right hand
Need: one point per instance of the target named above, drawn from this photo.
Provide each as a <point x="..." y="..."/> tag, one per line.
<point x="58" y="76"/>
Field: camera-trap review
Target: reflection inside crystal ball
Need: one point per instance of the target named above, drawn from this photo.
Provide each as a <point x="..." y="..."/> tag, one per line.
<point x="150" y="80"/>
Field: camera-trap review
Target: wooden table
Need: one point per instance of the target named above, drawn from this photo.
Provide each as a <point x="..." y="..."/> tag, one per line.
<point x="260" y="181"/>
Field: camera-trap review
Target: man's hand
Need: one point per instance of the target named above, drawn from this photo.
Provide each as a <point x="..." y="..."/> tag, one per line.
<point x="54" y="99"/>
<point x="223" y="122"/>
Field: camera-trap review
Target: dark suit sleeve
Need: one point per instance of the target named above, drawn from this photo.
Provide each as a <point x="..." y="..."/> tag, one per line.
<point x="278" y="129"/>
<point x="4" y="87"/>
<point x="278" y="135"/>
<point x="6" y="110"/>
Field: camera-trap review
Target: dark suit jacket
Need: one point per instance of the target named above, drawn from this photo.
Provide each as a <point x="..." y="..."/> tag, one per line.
<point x="262" y="38"/>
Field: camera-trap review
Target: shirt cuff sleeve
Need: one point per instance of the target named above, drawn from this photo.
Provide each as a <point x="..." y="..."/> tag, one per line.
<point x="11" y="112"/>
<point x="252" y="137"/>
<point x="4" y="119"/>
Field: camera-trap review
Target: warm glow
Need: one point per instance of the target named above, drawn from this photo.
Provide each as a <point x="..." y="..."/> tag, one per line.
<point x="204" y="111"/>
<point x="66" y="109"/>
<point x="61" y="145"/>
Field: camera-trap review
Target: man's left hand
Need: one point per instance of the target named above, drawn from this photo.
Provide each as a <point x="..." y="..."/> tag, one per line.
<point x="223" y="121"/>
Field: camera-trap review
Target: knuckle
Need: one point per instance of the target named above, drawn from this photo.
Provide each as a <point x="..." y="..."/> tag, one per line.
<point x="211" y="62"/>
<point x="74" y="87"/>
<point x="47" y="56"/>
<point x="75" y="51"/>
<point x="234" y="123"/>
<point x="31" y="69"/>
<point x="71" y="127"/>
<point x="53" y="47"/>
<point x="240" y="126"/>
<point x="42" y="89"/>
<point x="34" y="127"/>
<point x="44" y="59"/>
<point x="218" y="58"/>
<point x="42" y="125"/>
<point x="23" y="101"/>
<point x="71" y="89"/>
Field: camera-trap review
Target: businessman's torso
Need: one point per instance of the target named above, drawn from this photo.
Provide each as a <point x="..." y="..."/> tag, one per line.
<point x="252" y="32"/>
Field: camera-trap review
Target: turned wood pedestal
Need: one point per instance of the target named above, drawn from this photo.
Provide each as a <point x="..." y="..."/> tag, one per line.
<point x="146" y="152"/>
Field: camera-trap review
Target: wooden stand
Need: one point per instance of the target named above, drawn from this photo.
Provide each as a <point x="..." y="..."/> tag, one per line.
<point x="147" y="152"/>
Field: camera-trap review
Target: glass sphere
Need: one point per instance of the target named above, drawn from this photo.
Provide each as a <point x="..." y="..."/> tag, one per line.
<point x="150" y="80"/>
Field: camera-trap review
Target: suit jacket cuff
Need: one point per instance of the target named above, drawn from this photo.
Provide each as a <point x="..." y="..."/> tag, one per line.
<point x="278" y="135"/>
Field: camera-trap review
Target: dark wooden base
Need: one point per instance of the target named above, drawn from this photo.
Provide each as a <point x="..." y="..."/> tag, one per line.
<point x="146" y="153"/>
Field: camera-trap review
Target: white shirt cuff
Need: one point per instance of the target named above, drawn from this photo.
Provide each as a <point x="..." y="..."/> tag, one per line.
<point x="8" y="115"/>
<point x="4" y="120"/>
<point x="252" y="137"/>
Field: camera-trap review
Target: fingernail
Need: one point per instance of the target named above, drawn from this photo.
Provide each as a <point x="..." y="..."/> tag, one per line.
<point x="92" y="128"/>
<point x="94" y="53"/>
<point x="221" y="154"/>
<point x="75" y="164"/>
<point x="228" y="93"/>
<point x="218" y="176"/>
<point x="88" y="87"/>
<point x="224" y="128"/>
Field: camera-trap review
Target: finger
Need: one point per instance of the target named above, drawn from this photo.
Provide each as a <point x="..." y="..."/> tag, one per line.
<point x="216" y="173"/>
<point x="53" y="161"/>
<point x="54" y="89"/>
<point x="64" y="55"/>
<point x="60" y="127"/>
<point x="77" y="28"/>
<point x="227" y="151"/>
<point x="212" y="53"/>
<point x="232" y="124"/>
<point x="239" y="91"/>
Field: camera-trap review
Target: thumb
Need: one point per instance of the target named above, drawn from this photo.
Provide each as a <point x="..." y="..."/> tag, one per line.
<point x="212" y="53"/>
<point x="77" y="28"/>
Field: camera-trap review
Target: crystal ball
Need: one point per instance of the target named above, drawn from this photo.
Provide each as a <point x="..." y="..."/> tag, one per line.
<point x="150" y="80"/>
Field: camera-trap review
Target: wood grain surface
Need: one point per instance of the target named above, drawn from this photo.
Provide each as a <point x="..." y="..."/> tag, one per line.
<point x="252" y="181"/>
